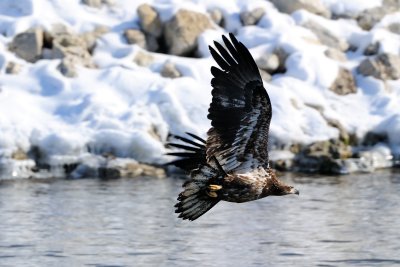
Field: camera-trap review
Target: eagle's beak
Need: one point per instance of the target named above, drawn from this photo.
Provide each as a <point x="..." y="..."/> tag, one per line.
<point x="294" y="191"/>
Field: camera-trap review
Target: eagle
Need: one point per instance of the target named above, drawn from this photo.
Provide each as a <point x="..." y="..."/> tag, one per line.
<point x="232" y="164"/>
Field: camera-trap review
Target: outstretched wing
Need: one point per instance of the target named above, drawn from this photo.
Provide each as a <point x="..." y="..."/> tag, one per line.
<point x="240" y="111"/>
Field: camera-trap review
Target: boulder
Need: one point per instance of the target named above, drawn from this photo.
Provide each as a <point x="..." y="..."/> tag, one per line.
<point x="372" y="49"/>
<point x="137" y="37"/>
<point x="169" y="70"/>
<point x="369" y="17"/>
<point x="290" y="6"/>
<point x="344" y="83"/>
<point x="394" y="28"/>
<point x="252" y="17"/>
<point x="335" y="54"/>
<point x="182" y="30"/>
<point x="143" y="59"/>
<point x="268" y="62"/>
<point x="325" y="36"/>
<point x="91" y="37"/>
<point x="149" y="20"/>
<point x="13" y="68"/>
<point x="28" y="45"/>
<point x="384" y="66"/>
<point x="217" y="16"/>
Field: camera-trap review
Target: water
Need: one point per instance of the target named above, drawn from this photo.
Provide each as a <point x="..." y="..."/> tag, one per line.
<point x="336" y="221"/>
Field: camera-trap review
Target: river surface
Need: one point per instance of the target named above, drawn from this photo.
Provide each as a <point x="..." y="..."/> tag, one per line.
<point x="349" y="220"/>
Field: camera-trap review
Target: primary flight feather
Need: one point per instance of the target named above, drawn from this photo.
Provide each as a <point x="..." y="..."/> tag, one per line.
<point x="232" y="164"/>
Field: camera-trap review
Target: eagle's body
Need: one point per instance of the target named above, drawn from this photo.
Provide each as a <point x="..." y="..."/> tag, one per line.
<point x="232" y="164"/>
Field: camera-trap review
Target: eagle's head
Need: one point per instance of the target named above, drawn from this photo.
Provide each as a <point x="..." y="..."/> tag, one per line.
<point x="274" y="187"/>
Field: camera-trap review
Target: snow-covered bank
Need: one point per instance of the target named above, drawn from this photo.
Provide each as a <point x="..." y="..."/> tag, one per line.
<point x="77" y="82"/>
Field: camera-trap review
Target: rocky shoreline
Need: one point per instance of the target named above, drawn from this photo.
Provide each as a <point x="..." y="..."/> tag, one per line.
<point x="178" y="36"/>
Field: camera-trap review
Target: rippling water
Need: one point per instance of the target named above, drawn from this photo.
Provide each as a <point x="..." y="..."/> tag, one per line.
<point x="336" y="221"/>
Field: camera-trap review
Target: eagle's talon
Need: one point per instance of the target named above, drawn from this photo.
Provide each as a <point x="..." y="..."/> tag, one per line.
<point x="214" y="187"/>
<point x="212" y="194"/>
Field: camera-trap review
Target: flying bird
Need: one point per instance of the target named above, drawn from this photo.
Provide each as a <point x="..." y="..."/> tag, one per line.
<point x="232" y="164"/>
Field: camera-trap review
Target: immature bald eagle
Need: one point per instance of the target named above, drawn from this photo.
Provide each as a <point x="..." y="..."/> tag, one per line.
<point x="232" y="165"/>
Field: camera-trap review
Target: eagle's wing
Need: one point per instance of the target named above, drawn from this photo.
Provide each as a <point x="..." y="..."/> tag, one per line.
<point x="240" y="111"/>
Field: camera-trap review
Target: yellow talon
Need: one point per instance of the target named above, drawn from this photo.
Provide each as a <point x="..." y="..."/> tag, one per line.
<point x="212" y="194"/>
<point x="214" y="187"/>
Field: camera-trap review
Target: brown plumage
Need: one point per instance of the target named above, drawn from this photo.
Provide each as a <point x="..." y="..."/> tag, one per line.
<point x="232" y="164"/>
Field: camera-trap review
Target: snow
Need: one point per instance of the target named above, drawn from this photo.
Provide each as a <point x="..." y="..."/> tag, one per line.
<point x="128" y="110"/>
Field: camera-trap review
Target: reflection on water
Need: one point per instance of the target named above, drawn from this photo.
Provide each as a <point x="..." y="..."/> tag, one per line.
<point x="336" y="221"/>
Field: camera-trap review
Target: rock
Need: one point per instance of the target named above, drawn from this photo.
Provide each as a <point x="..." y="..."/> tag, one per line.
<point x="13" y="68"/>
<point x="68" y="66"/>
<point x="325" y="36"/>
<point x="369" y="17"/>
<point x="344" y="83"/>
<point x="152" y="43"/>
<point x="91" y="37"/>
<point x="92" y="3"/>
<point x="75" y="48"/>
<point x="343" y="134"/>
<point x="217" y="17"/>
<point x="372" y="49"/>
<point x="143" y="59"/>
<point x="323" y="157"/>
<point x="149" y="20"/>
<point x="28" y="45"/>
<point x="252" y="17"/>
<point x="383" y="66"/>
<point x="265" y="75"/>
<point x="335" y="54"/>
<point x="135" y="37"/>
<point x="169" y="71"/>
<point x="268" y="62"/>
<point x="19" y="154"/>
<point x="129" y="169"/>
<point x="182" y="30"/>
<point x="394" y="28"/>
<point x="372" y="138"/>
<point x="290" y="6"/>
<point x="282" y="56"/>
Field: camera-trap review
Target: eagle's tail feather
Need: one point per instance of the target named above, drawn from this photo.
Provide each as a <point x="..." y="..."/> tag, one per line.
<point x="193" y="154"/>
<point x="194" y="201"/>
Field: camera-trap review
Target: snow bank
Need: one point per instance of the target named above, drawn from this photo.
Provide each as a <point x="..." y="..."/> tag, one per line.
<point x="127" y="110"/>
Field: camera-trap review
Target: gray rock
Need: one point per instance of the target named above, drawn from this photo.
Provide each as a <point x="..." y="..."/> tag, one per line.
<point x="335" y="54"/>
<point x="28" y="45"/>
<point x="151" y="43"/>
<point x="72" y="49"/>
<point x="143" y="59"/>
<point x="182" y="30"/>
<point x="13" y="68"/>
<point x="369" y="17"/>
<point x="344" y="83"/>
<point x="169" y="70"/>
<point x="252" y="17"/>
<point x="290" y="6"/>
<point x="137" y="37"/>
<point x="68" y="66"/>
<point x="268" y="62"/>
<point x="394" y="28"/>
<point x="325" y="36"/>
<point x="282" y="55"/>
<point x="217" y="16"/>
<point x="149" y="20"/>
<point x="372" y="49"/>
<point x="383" y="66"/>
<point x="91" y="37"/>
<point x="92" y="3"/>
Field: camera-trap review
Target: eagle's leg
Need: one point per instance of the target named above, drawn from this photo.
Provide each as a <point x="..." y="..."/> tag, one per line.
<point x="212" y="190"/>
